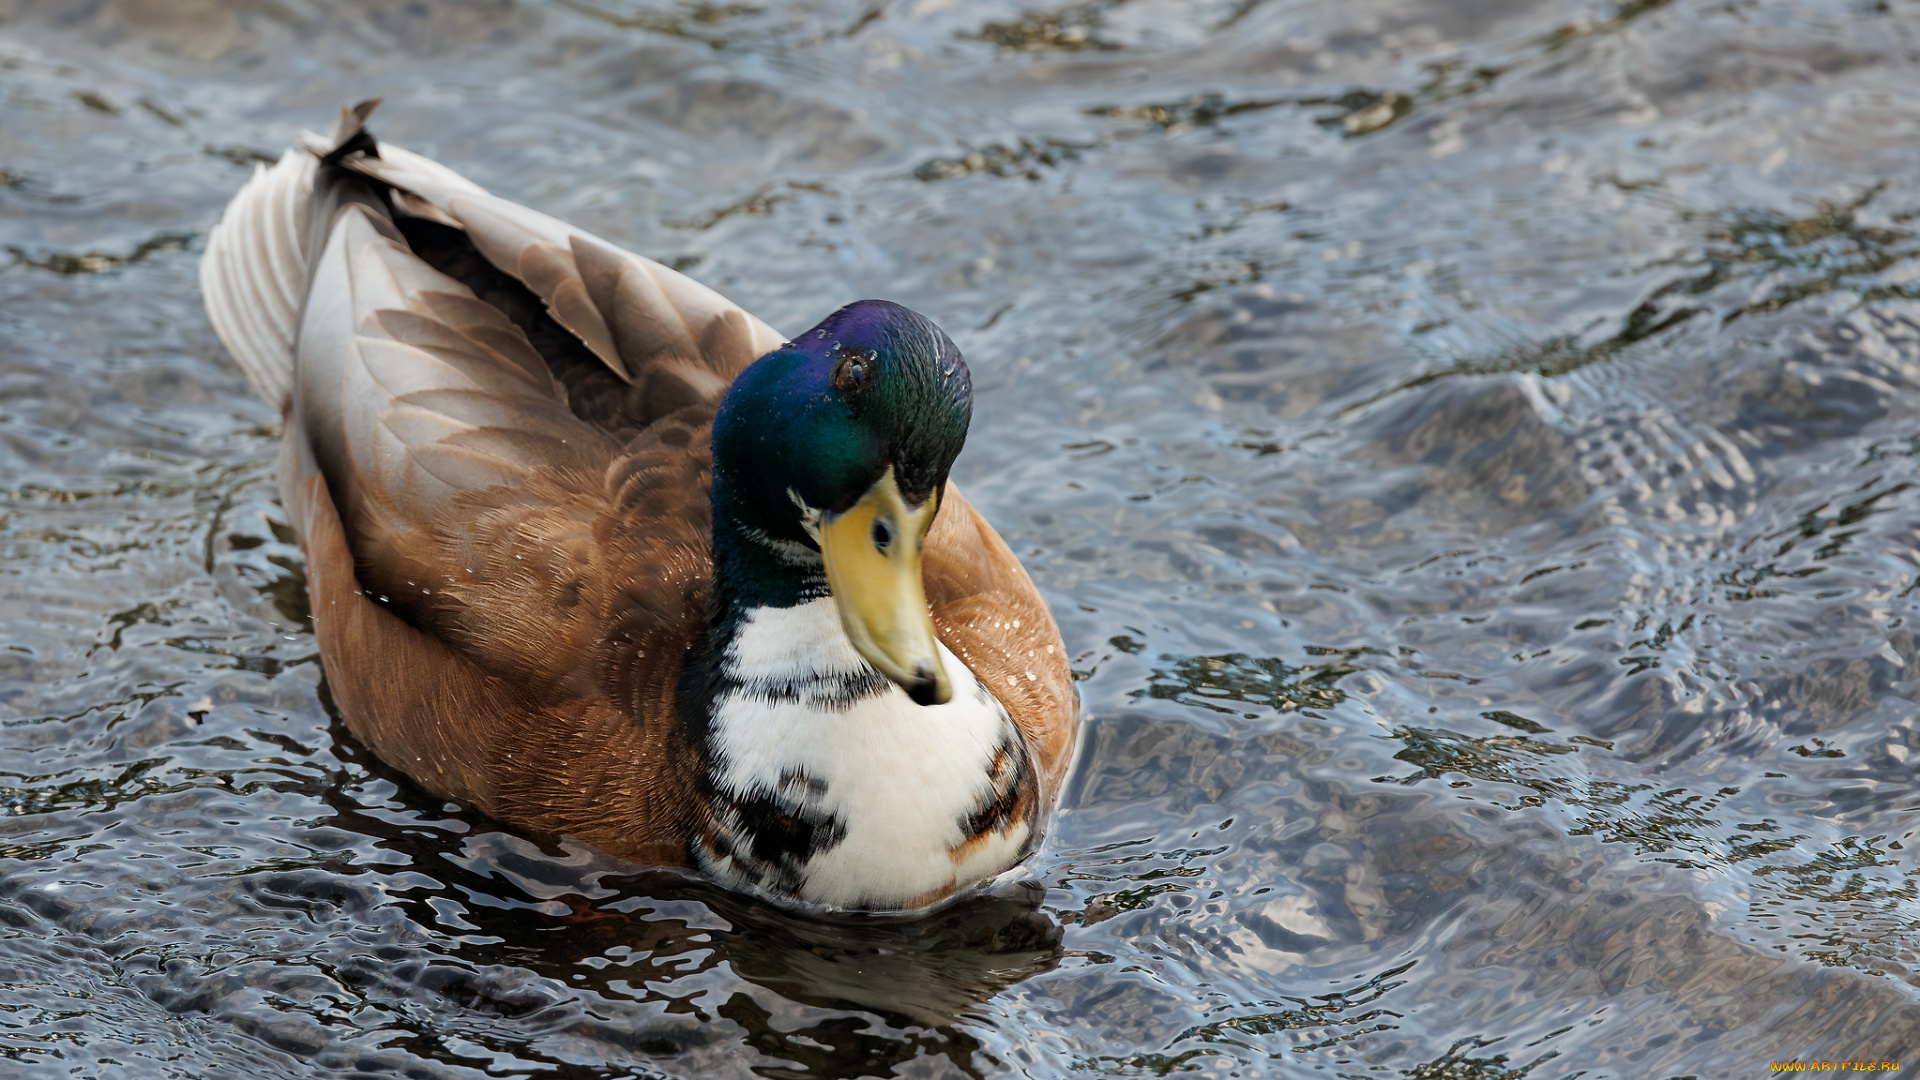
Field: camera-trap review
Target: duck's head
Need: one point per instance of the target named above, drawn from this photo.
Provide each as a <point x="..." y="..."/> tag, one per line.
<point x="829" y="456"/>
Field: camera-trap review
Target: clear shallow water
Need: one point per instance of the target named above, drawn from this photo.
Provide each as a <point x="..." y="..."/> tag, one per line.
<point x="1470" y="448"/>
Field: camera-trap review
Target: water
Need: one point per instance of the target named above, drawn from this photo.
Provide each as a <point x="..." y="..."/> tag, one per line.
<point x="1470" y="449"/>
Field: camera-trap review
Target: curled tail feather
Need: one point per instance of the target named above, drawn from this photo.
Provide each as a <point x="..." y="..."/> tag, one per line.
<point x="254" y="275"/>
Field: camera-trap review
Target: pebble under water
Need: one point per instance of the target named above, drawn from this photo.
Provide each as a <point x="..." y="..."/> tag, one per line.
<point x="1470" y="448"/>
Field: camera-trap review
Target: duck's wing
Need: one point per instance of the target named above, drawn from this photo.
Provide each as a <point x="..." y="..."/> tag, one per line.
<point x="993" y="618"/>
<point x="476" y="504"/>
<point x="503" y="590"/>
<point x="600" y="766"/>
<point x="675" y="340"/>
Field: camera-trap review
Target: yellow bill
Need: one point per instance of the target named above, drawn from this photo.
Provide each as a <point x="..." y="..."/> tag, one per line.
<point x="872" y="553"/>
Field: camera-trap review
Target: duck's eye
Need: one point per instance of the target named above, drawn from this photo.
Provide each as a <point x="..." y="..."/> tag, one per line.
<point x="851" y="375"/>
<point x="882" y="535"/>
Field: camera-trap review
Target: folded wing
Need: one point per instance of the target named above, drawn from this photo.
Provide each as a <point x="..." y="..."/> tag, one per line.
<point x="676" y="340"/>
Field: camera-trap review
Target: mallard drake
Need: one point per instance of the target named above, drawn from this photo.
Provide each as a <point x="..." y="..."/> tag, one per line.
<point x="600" y="554"/>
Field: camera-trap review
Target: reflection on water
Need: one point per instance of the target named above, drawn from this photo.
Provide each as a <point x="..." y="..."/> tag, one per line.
<point x="1470" y="449"/>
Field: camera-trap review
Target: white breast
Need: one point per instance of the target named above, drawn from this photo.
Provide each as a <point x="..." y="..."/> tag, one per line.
<point x="897" y="779"/>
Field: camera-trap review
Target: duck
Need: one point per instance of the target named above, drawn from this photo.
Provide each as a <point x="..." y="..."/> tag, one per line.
<point x="595" y="552"/>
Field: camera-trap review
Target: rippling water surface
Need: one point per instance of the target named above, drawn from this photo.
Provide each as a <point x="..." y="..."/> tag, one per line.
<point x="1470" y="448"/>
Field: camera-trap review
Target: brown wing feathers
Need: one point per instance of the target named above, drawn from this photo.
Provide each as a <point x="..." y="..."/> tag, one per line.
<point x="631" y="312"/>
<point x="470" y="539"/>
<point x="587" y="767"/>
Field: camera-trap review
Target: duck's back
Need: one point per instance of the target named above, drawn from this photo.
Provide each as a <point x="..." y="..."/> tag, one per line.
<point x="497" y="458"/>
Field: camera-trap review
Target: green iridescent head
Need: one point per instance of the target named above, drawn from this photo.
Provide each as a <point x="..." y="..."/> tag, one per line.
<point x="829" y="455"/>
